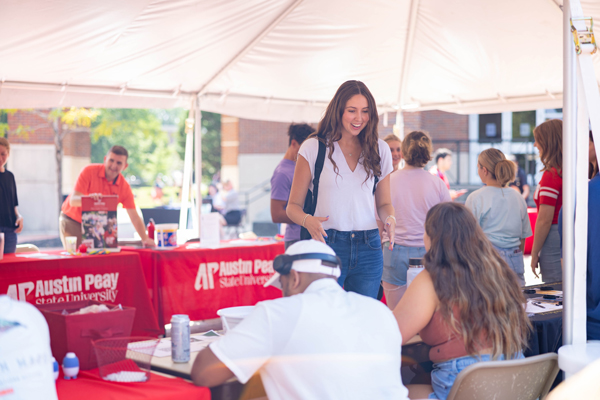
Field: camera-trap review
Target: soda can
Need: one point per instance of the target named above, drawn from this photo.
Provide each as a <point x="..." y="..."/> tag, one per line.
<point x="180" y="338"/>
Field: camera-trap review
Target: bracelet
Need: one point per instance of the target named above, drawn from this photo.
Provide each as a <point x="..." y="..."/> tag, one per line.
<point x="304" y="220"/>
<point x="392" y="217"/>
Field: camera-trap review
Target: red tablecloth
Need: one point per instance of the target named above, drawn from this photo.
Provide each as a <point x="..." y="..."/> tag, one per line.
<point x="532" y="212"/>
<point x="198" y="282"/>
<point x="115" y="278"/>
<point x="90" y="386"/>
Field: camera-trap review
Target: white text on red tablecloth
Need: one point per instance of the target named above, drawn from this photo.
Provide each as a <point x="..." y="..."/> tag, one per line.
<point x="99" y="287"/>
<point x="233" y="273"/>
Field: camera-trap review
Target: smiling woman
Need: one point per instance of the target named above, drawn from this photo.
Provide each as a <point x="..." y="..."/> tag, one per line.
<point x="395" y="147"/>
<point x="355" y="177"/>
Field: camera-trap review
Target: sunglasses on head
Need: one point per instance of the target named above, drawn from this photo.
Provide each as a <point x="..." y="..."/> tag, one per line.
<point x="283" y="262"/>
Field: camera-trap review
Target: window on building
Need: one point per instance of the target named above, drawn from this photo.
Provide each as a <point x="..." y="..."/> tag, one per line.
<point x="527" y="162"/>
<point x="522" y="125"/>
<point x="490" y="127"/>
<point x="553" y="113"/>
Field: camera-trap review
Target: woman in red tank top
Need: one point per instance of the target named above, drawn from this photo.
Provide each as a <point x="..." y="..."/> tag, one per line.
<point x="466" y="304"/>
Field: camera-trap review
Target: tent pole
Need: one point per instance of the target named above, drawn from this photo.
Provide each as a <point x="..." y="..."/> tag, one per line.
<point x="198" y="156"/>
<point x="569" y="148"/>
<point x="187" y="171"/>
<point x="408" y="47"/>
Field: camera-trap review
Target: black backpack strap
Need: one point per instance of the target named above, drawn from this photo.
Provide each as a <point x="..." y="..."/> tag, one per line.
<point x="318" y="169"/>
<point x="310" y="202"/>
<point x="376" y="178"/>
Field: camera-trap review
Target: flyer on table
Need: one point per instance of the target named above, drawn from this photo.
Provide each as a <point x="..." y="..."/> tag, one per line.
<point x="99" y="221"/>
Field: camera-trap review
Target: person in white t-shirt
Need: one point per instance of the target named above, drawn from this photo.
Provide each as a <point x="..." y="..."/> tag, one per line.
<point x="25" y="356"/>
<point x="344" y="217"/>
<point x="312" y="343"/>
<point x="501" y="211"/>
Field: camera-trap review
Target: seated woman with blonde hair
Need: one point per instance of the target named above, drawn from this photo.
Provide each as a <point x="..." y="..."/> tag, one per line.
<point x="466" y="304"/>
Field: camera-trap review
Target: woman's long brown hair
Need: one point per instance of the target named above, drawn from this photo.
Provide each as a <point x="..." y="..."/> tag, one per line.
<point x="329" y="130"/>
<point x="471" y="278"/>
<point x="548" y="136"/>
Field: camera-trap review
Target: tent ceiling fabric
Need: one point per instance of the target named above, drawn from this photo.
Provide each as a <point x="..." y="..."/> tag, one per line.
<point x="283" y="60"/>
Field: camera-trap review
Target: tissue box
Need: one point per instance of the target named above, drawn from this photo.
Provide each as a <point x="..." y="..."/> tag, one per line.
<point x="76" y="332"/>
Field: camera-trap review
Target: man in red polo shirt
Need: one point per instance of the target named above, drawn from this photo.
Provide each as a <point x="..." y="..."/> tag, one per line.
<point x="97" y="180"/>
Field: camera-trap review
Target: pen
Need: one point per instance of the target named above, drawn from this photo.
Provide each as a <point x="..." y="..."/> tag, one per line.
<point x="537" y="304"/>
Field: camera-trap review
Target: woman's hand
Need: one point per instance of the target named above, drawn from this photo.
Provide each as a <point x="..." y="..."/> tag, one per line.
<point x="542" y="228"/>
<point x="315" y="227"/>
<point x="535" y="260"/>
<point x="390" y="228"/>
<point x="19" y="224"/>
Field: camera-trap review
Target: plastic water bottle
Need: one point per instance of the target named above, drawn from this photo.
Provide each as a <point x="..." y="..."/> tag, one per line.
<point x="180" y="338"/>
<point x="70" y="366"/>
<point x="415" y="267"/>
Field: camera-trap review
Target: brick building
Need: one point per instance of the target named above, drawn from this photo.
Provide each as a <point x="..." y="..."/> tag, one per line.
<point x="33" y="161"/>
<point x="252" y="149"/>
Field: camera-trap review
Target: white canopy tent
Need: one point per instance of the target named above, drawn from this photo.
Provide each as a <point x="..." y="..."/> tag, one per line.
<point x="282" y="60"/>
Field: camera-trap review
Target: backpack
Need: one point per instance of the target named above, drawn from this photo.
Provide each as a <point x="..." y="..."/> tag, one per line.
<point x="310" y="202"/>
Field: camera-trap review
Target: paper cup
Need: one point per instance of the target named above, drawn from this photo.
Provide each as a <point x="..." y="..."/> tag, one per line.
<point x="71" y="242"/>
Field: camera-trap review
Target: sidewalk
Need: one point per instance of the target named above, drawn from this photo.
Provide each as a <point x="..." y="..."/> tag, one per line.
<point x="47" y="241"/>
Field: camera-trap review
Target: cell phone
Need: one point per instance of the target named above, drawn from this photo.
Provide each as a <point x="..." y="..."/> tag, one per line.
<point x="550" y="297"/>
<point x="546" y="288"/>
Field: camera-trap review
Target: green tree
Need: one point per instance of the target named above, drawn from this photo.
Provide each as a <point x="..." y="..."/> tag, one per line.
<point x="140" y="132"/>
<point x="211" y="144"/>
<point x="18" y="130"/>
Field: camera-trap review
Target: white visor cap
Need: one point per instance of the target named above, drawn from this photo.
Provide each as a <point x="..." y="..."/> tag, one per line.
<point x="310" y="266"/>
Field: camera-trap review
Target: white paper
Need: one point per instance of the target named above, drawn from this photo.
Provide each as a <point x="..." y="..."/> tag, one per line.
<point x="210" y="230"/>
<point x="541" y="307"/>
<point x="45" y="256"/>
<point x="197" y="343"/>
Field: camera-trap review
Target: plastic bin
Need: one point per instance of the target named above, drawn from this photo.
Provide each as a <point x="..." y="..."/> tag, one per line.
<point x="125" y="359"/>
<point x="75" y="332"/>
<point x="232" y="316"/>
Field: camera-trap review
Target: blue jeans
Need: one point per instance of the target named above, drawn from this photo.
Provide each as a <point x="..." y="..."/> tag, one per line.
<point x="444" y="373"/>
<point x="10" y="240"/>
<point x="514" y="259"/>
<point x="362" y="260"/>
<point x="395" y="262"/>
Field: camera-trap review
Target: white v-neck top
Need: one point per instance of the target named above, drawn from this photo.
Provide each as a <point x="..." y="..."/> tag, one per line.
<point x="346" y="198"/>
